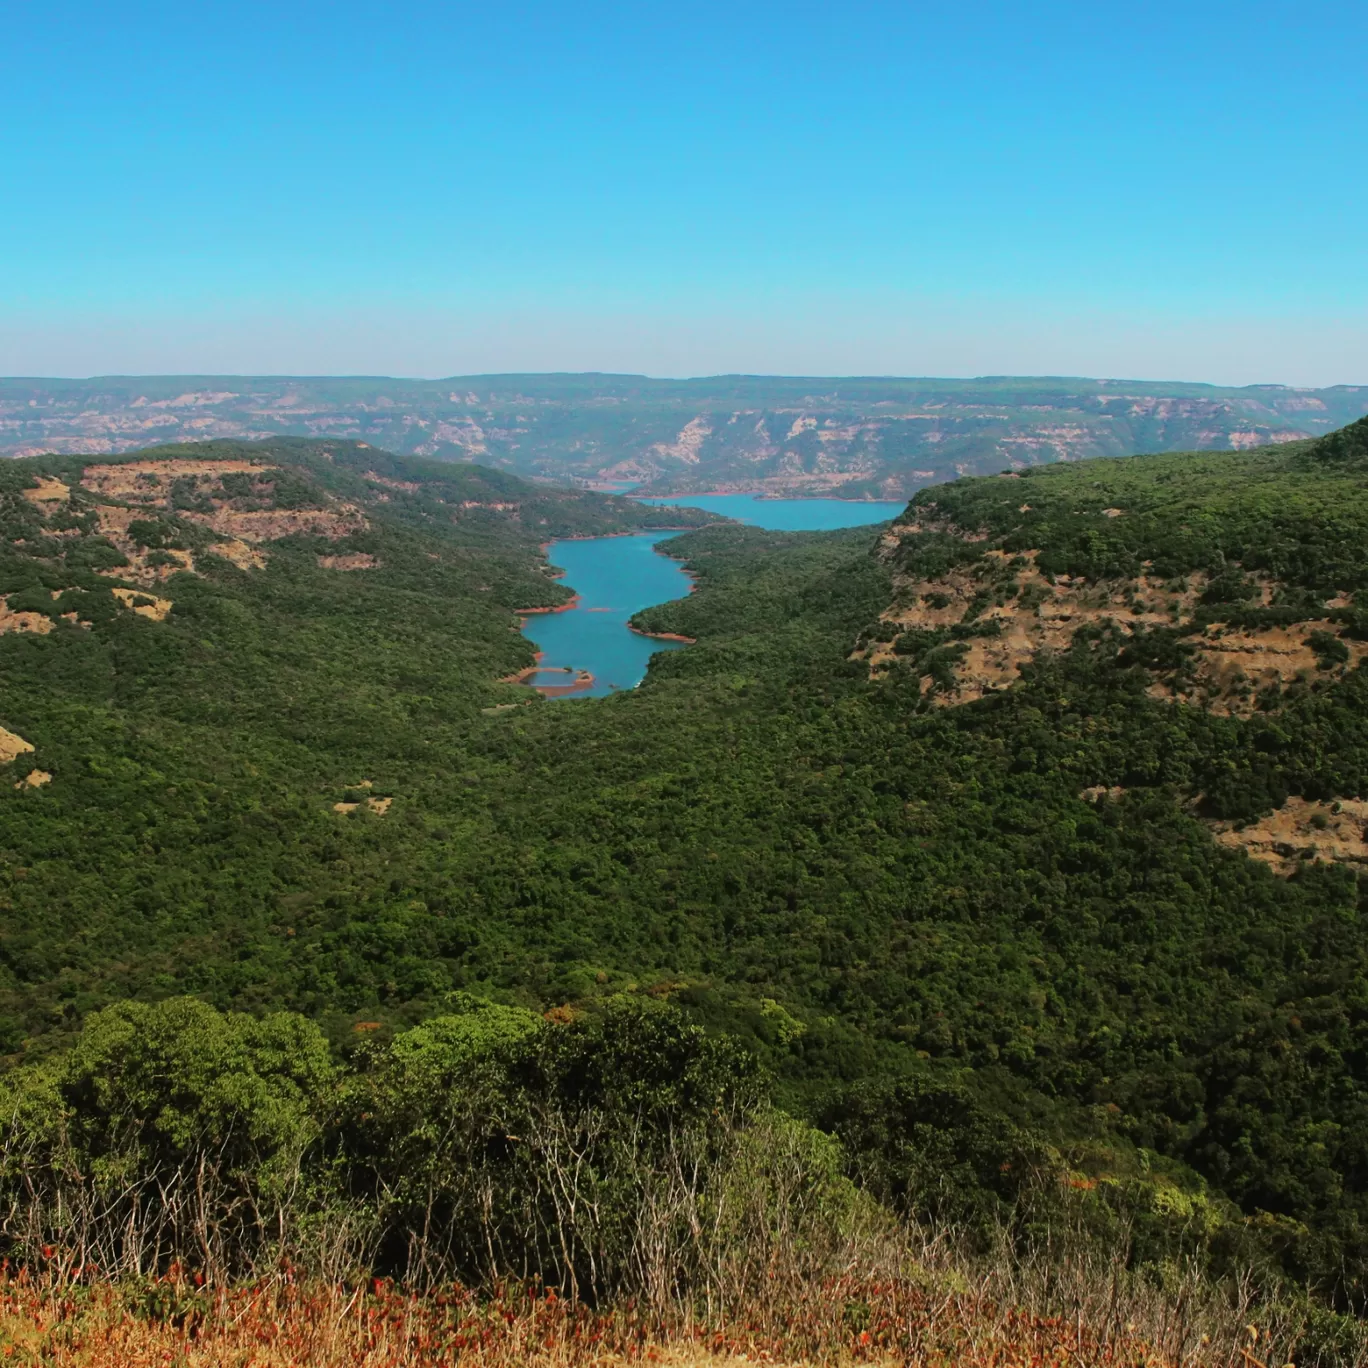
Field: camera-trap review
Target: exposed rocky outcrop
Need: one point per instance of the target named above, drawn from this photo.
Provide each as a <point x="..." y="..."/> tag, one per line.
<point x="1002" y="612"/>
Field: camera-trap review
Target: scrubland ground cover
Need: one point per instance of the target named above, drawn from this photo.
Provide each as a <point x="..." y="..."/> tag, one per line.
<point x="494" y="1188"/>
<point x="283" y="1326"/>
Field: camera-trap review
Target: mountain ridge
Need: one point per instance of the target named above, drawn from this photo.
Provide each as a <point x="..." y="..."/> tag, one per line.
<point x="856" y="437"/>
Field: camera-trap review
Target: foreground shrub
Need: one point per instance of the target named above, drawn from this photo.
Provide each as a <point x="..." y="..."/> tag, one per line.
<point x="169" y="1132"/>
<point x="207" y="1173"/>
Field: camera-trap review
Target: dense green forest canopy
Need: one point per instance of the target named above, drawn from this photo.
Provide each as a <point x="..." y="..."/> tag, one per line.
<point x="1029" y="916"/>
<point x="195" y="756"/>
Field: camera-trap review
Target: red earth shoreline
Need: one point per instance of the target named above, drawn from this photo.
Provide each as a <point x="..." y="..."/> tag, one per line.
<point x="583" y="679"/>
<point x="663" y="636"/>
<point x="734" y="493"/>
<point x="559" y="608"/>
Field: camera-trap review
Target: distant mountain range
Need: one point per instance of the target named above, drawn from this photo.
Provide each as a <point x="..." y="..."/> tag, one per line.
<point x="856" y="437"/>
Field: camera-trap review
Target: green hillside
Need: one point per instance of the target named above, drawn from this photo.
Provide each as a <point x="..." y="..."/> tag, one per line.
<point x="1026" y="835"/>
<point x="347" y="616"/>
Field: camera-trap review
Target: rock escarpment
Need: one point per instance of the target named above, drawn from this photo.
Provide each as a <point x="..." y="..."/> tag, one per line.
<point x="1236" y="585"/>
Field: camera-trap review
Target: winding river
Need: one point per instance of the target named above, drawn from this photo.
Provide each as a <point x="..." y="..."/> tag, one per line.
<point x="587" y="650"/>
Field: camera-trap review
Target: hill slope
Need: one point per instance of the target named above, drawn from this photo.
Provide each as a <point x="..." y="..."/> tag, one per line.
<point x="202" y="650"/>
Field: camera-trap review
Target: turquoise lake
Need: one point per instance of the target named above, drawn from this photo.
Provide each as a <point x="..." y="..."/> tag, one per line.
<point x="614" y="578"/>
<point x="618" y="576"/>
<point x="788" y="515"/>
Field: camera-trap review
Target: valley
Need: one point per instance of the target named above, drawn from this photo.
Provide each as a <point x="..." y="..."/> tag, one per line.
<point x="1012" y="847"/>
<point x="626" y="741"/>
<point x="613" y="578"/>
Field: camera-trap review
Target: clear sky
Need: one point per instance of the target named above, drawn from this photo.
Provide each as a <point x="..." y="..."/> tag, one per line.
<point x="1167" y="191"/>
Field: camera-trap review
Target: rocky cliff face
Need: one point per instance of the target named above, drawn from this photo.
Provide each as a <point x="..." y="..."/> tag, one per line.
<point x="1231" y="585"/>
<point x="856" y="438"/>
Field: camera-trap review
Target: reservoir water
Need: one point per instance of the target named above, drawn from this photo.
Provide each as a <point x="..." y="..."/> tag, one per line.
<point x="788" y="515"/>
<point x="615" y="577"/>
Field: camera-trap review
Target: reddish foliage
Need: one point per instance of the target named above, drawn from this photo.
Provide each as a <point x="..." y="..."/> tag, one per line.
<point x="283" y="1324"/>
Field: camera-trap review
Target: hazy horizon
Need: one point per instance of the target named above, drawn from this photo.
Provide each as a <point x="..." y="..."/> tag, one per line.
<point x="700" y="378"/>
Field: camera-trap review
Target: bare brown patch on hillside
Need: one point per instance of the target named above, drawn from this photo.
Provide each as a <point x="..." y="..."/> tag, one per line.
<point x="929" y="519"/>
<point x="38" y="623"/>
<point x="685" y="447"/>
<point x="1026" y="612"/>
<point x="379" y="806"/>
<point x="270" y="524"/>
<point x="1038" y="615"/>
<point x="358" y="560"/>
<point x="145" y="605"/>
<point x="34" y="779"/>
<point x="240" y="554"/>
<point x="149" y="482"/>
<point x="408" y="486"/>
<point x="114" y="523"/>
<point x="1233" y="667"/>
<point x="48" y="490"/>
<point x="1302" y="832"/>
<point x="12" y="746"/>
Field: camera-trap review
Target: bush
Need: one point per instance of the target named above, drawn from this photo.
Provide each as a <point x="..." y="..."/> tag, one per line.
<point x="169" y="1132"/>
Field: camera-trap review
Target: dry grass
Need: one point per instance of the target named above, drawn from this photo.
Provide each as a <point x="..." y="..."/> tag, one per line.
<point x="145" y="605"/>
<point x="12" y="746"/>
<point x="39" y="623"/>
<point x="283" y="1325"/>
<point x="149" y="482"/>
<point x="1303" y="831"/>
<point x="358" y="560"/>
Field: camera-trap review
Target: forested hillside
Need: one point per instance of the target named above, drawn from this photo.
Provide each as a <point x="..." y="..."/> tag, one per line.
<point x="203" y="650"/>
<point x="861" y="437"/>
<point x="1020" y="842"/>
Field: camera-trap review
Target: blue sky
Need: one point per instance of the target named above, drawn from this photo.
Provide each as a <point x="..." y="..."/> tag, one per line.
<point x="1159" y="191"/>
